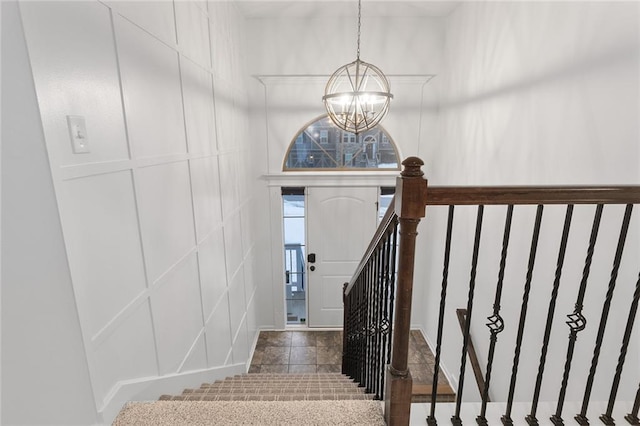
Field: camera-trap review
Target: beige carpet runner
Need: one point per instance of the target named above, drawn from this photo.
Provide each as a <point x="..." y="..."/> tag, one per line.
<point x="261" y="399"/>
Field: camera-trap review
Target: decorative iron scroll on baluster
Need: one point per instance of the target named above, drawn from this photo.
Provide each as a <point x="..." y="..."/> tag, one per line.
<point x="577" y="322"/>
<point x="531" y="418"/>
<point x="496" y="323"/>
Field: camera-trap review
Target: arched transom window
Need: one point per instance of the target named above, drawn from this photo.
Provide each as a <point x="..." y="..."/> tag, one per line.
<point x="322" y="145"/>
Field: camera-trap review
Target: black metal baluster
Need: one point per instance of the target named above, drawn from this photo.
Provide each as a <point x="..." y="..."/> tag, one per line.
<point x="383" y="281"/>
<point x="582" y="417"/>
<point x="577" y="322"/>
<point x="606" y="417"/>
<point x="359" y="311"/>
<point x="496" y="324"/>
<point x="506" y="418"/>
<point x="345" y="344"/>
<point x="391" y="291"/>
<point x="378" y="320"/>
<point x="352" y="347"/>
<point x="531" y="418"/>
<point x="632" y="417"/>
<point x="455" y="419"/>
<point x="352" y="330"/>
<point x="384" y="311"/>
<point x="374" y="323"/>
<point x="352" y="326"/>
<point x="431" y="420"/>
<point x="365" y="326"/>
<point x="348" y="351"/>
<point x="369" y="321"/>
<point x="384" y="322"/>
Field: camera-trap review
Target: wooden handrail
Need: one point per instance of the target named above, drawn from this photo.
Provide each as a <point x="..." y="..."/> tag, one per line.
<point x="500" y="195"/>
<point x="383" y="227"/>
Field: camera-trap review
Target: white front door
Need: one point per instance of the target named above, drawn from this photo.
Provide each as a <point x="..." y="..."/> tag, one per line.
<point x="340" y="223"/>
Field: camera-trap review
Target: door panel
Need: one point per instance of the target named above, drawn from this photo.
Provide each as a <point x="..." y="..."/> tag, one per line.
<point x="340" y="224"/>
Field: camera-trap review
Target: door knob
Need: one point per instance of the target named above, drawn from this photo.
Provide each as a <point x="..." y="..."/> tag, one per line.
<point x="313" y="268"/>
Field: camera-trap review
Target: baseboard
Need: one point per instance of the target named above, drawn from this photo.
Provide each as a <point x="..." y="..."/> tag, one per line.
<point x="150" y="389"/>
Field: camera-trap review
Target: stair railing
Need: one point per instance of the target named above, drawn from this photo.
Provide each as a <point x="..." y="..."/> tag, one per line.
<point x="366" y="338"/>
<point x="376" y="327"/>
<point x="511" y="197"/>
<point x="368" y="309"/>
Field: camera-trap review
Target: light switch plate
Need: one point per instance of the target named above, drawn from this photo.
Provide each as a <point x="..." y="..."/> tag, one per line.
<point x="78" y="134"/>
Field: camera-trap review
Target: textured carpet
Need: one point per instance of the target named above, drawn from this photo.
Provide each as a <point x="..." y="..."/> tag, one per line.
<point x="196" y="413"/>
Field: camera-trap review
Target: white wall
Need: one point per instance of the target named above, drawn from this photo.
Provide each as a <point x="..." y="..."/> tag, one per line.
<point x="42" y="343"/>
<point x="536" y="93"/>
<point x="156" y="218"/>
<point x="539" y="93"/>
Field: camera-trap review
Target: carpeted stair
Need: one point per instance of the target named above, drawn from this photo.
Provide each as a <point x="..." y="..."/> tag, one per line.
<point x="261" y="399"/>
<point x="276" y="387"/>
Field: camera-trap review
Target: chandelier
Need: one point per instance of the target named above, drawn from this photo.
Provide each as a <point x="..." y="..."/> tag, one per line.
<point x="357" y="95"/>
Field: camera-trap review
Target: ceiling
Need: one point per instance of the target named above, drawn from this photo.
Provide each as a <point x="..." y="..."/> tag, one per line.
<point x="344" y="8"/>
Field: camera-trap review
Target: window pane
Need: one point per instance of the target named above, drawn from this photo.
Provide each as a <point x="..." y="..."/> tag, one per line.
<point x="385" y="201"/>
<point x="294" y="230"/>
<point x="293" y="205"/>
<point x="322" y="145"/>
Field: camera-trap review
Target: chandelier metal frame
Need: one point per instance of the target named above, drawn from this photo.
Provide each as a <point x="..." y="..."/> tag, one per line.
<point x="357" y="96"/>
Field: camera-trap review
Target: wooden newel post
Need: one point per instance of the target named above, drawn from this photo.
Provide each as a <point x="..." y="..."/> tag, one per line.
<point x="411" y="194"/>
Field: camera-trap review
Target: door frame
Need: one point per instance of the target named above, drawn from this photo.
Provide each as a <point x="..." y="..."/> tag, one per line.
<point x="305" y="179"/>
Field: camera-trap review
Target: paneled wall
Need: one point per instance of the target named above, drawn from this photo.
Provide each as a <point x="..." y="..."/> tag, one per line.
<point x="156" y="217"/>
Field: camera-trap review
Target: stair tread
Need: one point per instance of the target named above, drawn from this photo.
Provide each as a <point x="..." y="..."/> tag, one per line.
<point x="266" y="397"/>
<point x="276" y="387"/>
<point x="344" y="388"/>
<point x="272" y="391"/>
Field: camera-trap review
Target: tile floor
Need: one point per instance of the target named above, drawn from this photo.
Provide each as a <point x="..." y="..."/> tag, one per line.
<point x="298" y="352"/>
<point x="321" y="352"/>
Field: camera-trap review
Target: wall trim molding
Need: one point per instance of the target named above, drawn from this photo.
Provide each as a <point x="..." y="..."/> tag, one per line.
<point x="273" y="79"/>
<point x="378" y="178"/>
<point x="150" y="388"/>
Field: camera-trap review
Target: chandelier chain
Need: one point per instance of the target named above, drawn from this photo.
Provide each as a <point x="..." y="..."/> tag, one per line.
<point x="359" y="18"/>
